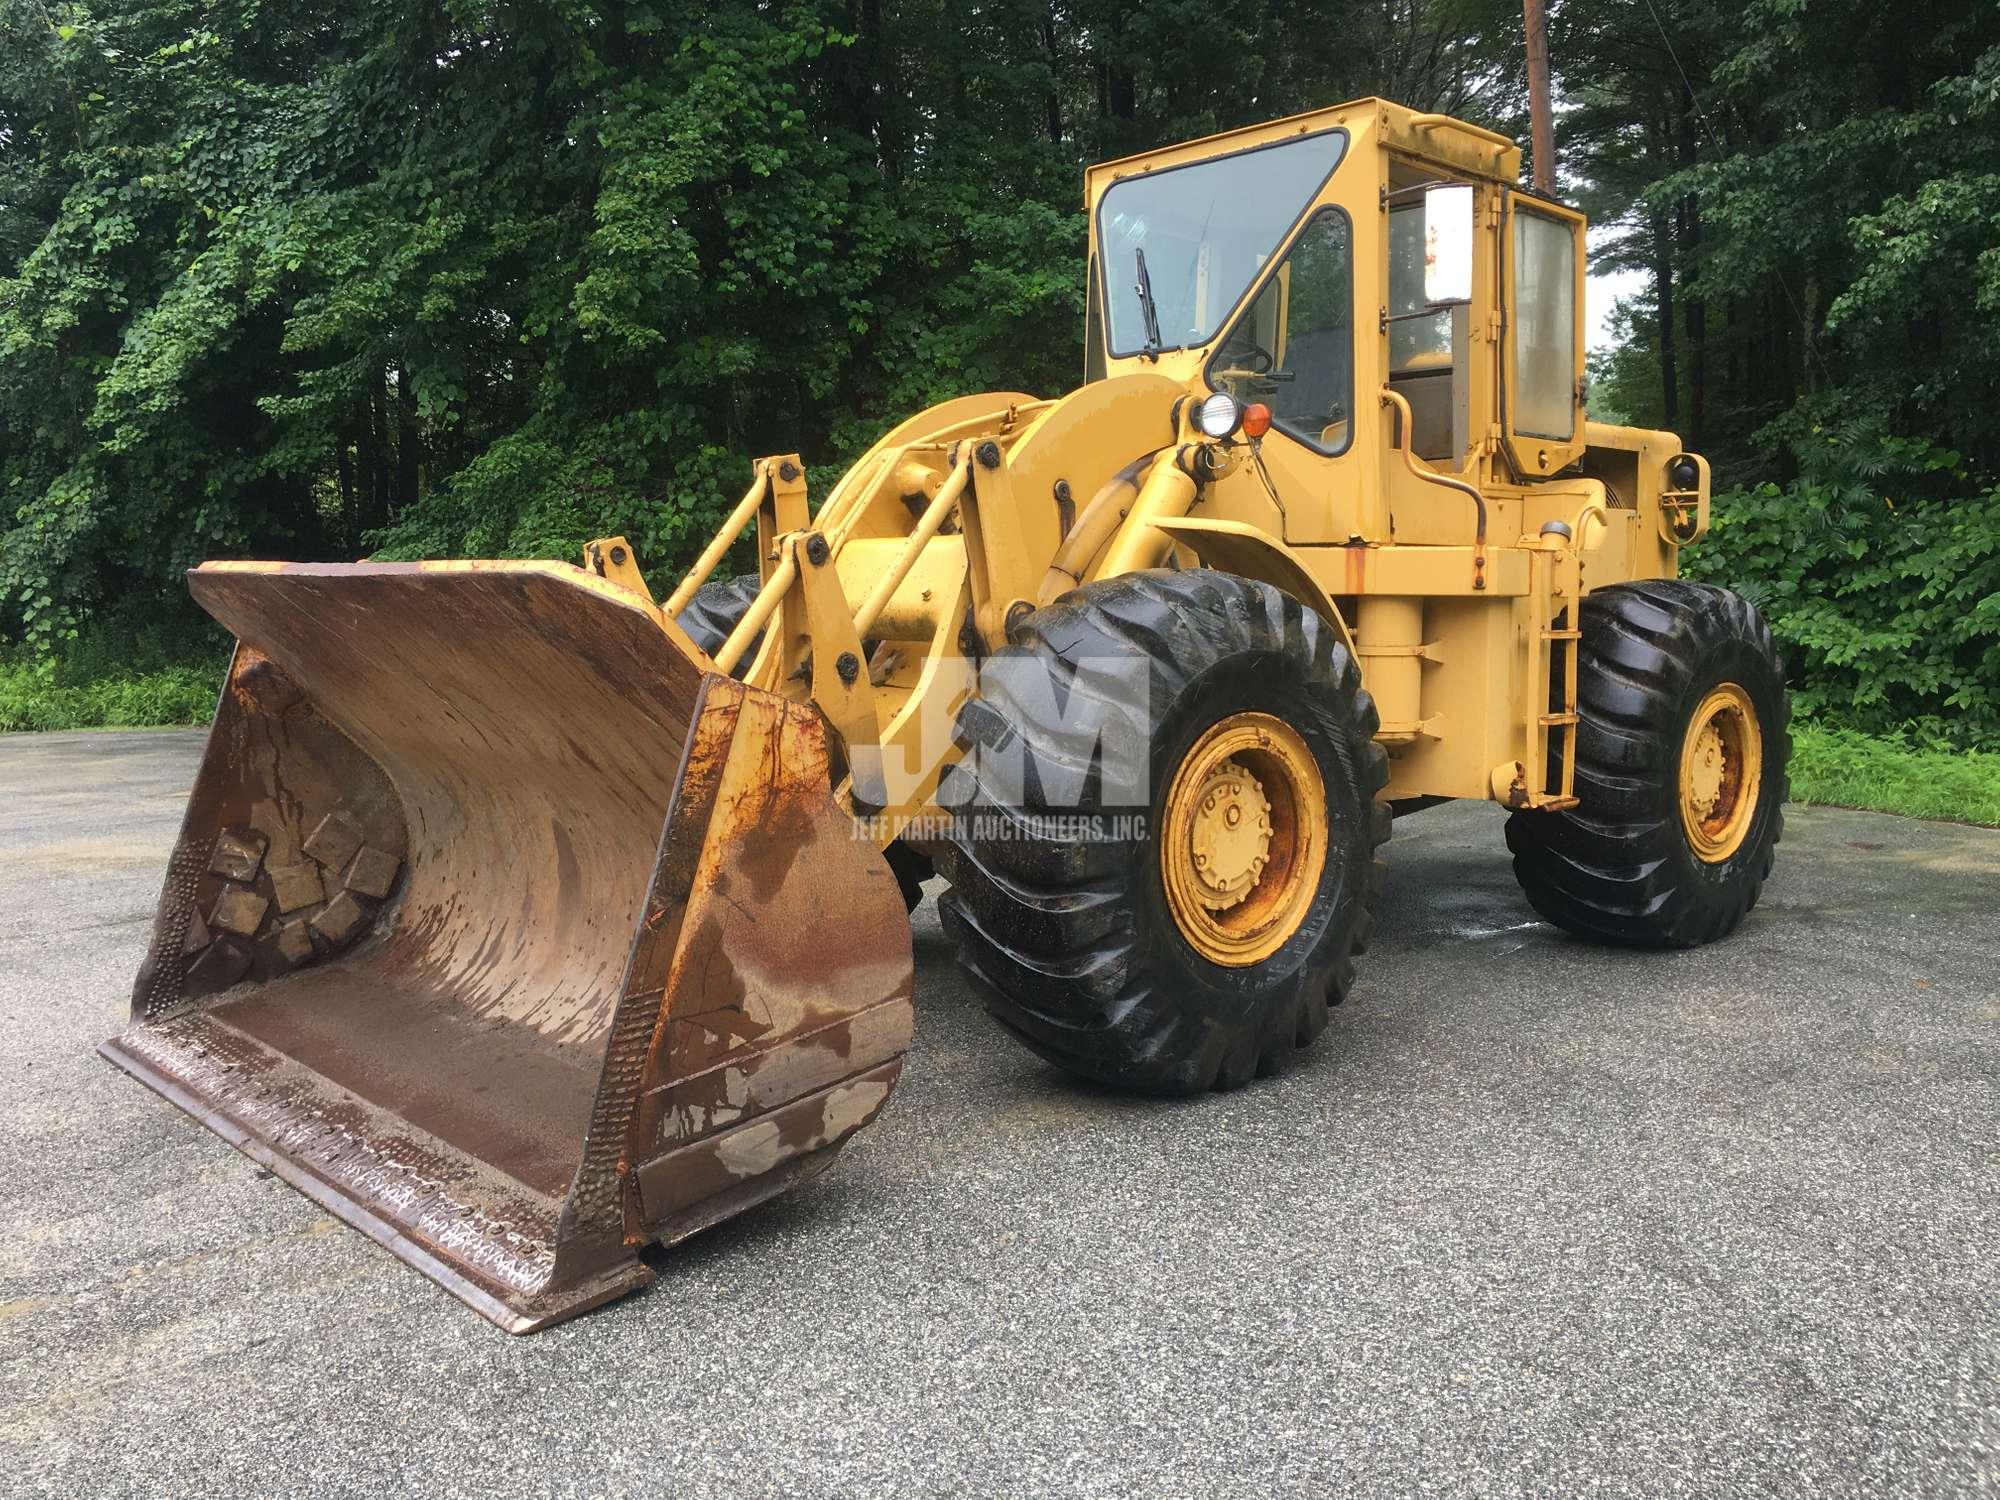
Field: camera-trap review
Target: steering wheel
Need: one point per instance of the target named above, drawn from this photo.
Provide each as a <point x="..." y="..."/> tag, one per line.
<point x="1251" y="362"/>
<point x="1257" y="359"/>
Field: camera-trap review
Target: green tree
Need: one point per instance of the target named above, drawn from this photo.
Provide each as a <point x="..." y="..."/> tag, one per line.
<point x="432" y="277"/>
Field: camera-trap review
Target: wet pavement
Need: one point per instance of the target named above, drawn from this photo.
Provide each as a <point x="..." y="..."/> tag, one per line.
<point x="1534" y="1217"/>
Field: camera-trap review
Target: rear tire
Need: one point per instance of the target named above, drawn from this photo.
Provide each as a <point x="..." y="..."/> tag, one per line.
<point x="716" y="609"/>
<point x="1083" y="951"/>
<point x="1662" y="664"/>
<point x="912" y="868"/>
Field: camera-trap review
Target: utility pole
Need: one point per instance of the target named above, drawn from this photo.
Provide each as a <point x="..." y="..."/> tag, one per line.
<point x="1541" y="129"/>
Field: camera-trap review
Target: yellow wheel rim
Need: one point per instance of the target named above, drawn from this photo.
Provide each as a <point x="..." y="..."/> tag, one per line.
<point x="1722" y="772"/>
<point x="1244" y="839"/>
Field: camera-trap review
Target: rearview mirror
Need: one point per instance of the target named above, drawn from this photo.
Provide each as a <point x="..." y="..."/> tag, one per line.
<point x="1448" y="244"/>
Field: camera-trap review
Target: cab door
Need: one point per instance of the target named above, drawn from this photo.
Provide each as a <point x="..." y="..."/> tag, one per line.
<point x="1541" y="374"/>
<point x="1292" y="349"/>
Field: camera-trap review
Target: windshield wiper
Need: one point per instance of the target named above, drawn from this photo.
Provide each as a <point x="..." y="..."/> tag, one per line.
<point x="1147" y="308"/>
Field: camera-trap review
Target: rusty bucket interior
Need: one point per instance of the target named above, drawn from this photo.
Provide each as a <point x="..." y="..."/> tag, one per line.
<point x="510" y="933"/>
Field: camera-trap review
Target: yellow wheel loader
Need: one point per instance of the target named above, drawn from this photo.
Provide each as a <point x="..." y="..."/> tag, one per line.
<point x="523" y="919"/>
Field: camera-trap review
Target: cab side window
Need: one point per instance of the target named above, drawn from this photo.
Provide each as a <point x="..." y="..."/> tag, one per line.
<point x="1417" y="341"/>
<point x="1293" y="347"/>
<point x="1544" y="326"/>
<point x="1422" y="361"/>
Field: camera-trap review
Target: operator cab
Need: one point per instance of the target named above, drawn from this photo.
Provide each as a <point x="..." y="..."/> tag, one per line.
<point x="1301" y="270"/>
<point x="1181" y="246"/>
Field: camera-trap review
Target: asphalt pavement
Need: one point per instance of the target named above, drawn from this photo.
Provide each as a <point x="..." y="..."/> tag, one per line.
<point x="1533" y="1218"/>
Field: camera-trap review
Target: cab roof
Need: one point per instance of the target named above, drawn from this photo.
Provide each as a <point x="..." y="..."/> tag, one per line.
<point x="1451" y="143"/>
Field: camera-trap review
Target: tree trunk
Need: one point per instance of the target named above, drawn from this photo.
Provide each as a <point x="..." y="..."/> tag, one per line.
<point x="378" y="455"/>
<point x="1732" y="374"/>
<point x="408" y="444"/>
<point x="1124" y="93"/>
<point x="1663" y="292"/>
<point x="1054" y="100"/>
<point x="863" y="68"/>
<point x="350" y="533"/>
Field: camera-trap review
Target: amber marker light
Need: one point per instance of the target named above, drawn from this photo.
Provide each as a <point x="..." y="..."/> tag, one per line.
<point x="1256" y="419"/>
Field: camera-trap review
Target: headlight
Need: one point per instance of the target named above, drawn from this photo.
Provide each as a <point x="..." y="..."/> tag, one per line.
<point x="1684" y="473"/>
<point x="1219" y="415"/>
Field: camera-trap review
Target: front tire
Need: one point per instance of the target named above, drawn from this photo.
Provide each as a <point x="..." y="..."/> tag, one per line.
<point x="1680" y="771"/>
<point x="1213" y="739"/>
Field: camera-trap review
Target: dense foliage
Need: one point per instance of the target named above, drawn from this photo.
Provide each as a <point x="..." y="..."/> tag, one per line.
<point x="1812" y="188"/>
<point x="1880" y="576"/>
<point x="461" y="276"/>
<point x="1813" y="192"/>
<point x="447" y="276"/>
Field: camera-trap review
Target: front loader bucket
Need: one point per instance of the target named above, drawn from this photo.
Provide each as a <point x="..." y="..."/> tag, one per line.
<point x="507" y="932"/>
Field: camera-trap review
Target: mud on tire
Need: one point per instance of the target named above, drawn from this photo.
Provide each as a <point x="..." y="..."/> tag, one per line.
<point x="1072" y="939"/>
<point x="1620" y="867"/>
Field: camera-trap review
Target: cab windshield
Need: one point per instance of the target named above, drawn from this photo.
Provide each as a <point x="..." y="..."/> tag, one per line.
<point x="1204" y="231"/>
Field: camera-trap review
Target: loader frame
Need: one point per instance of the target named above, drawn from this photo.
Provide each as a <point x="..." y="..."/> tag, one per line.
<point x="1455" y="582"/>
